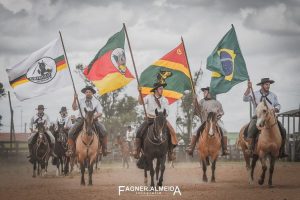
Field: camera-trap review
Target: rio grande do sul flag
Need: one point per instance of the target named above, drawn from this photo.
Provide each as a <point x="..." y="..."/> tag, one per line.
<point x="108" y="70"/>
<point x="44" y="71"/>
<point x="172" y="69"/>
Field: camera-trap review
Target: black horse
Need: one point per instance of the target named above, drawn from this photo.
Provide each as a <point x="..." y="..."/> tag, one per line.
<point x="41" y="150"/>
<point x="60" y="149"/>
<point x="156" y="146"/>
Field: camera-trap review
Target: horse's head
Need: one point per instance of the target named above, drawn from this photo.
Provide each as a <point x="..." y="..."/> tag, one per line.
<point x="88" y="121"/>
<point x="160" y="121"/>
<point x="61" y="133"/>
<point x="263" y="114"/>
<point x="41" y="129"/>
<point x="211" y="123"/>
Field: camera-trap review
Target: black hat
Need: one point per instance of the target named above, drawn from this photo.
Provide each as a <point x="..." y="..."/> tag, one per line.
<point x="265" y="80"/>
<point x="205" y="88"/>
<point x="63" y="109"/>
<point x="88" y="88"/>
<point x="157" y="85"/>
<point x="40" y="107"/>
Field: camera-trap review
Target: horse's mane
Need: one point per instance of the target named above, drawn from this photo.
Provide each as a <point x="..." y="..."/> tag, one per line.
<point x="211" y="116"/>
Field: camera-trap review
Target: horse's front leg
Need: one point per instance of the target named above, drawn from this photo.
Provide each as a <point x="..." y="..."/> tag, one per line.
<point x="253" y="164"/>
<point x="271" y="170"/>
<point x="213" y="168"/>
<point x="204" y="177"/>
<point x="157" y="168"/>
<point x="162" y="170"/>
<point x="34" y="169"/>
<point x="145" y="177"/>
<point x="264" y="169"/>
<point x="151" y="172"/>
<point x="90" y="167"/>
<point x="82" y="168"/>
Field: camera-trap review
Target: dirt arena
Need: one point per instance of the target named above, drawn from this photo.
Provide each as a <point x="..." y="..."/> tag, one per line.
<point x="17" y="183"/>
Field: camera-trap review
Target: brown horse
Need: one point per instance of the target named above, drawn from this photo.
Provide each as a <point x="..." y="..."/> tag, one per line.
<point x="268" y="144"/>
<point x="87" y="145"/>
<point x="124" y="148"/>
<point x="209" y="145"/>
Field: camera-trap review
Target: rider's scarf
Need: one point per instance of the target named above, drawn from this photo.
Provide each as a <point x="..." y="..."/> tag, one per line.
<point x="265" y="97"/>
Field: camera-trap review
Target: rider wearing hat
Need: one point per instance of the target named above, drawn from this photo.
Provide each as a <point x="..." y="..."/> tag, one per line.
<point x="89" y="102"/>
<point x="272" y="102"/>
<point x="40" y="117"/>
<point x="152" y="102"/>
<point x="207" y="105"/>
<point x="63" y="118"/>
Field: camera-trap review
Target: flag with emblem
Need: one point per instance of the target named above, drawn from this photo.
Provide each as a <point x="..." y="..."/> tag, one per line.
<point x="171" y="69"/>
<point x="44" y="71"/>
<point x="108" y="71"/>
<point x="227" y="64"/>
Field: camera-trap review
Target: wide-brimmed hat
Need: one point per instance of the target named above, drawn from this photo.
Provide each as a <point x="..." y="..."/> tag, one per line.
<point x="40" y="107"/>
<point x="265" y="80"/>
<point x="88" y="88"/>
<point x="63" y="109"/>
<point x="205" y="88"/>
<point x="157" y="85"/>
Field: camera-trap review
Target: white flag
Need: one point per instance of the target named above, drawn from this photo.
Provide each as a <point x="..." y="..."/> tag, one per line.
<point x="42" y="72"/>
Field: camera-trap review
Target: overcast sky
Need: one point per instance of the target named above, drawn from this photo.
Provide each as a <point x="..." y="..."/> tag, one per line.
<point x="268" y="32"/>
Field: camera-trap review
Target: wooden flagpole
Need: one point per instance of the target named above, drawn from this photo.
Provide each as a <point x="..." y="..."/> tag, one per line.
<point x="62" y="42"/>
<point x="136" y="74"/>
<point x="197" y="107"/>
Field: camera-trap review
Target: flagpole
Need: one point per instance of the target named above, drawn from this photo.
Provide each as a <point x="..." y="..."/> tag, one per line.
<point x="62" y="42"/>
<point x="136" y="74"/>
<point x="197" y="107"/>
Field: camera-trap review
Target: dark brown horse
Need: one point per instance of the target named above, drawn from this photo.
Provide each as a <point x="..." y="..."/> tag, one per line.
<point x="60" y="149"/>
<point x="41" y="150"/>
<point x="124" y="149"/>
<point x="87" y="145"/>
<point x="156" y="147"/>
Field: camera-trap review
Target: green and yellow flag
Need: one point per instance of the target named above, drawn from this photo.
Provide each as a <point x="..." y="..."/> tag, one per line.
<point x="172" y="69"/>
<point x="227" y="64"/>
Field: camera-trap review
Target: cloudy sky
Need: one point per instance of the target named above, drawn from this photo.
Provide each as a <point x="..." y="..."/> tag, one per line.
<point x="268" y="33"/>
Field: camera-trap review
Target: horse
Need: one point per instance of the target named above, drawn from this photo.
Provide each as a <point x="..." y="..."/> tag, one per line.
<point x="268" y="143"/>
<point x="124" y="148"/>
<point x="156" y="146"/>
<point x="87" y="145"/>
<point x="209" y="145"/>
<point x="60" y="149"/>
<point x="41" y="150"/>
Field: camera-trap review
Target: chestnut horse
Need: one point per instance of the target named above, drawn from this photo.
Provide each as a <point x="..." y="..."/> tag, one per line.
<point x="210" y="145"/>
<point x="87" y="145"/>
<point x="268" y="144"/>
<point x="124" y="148"/>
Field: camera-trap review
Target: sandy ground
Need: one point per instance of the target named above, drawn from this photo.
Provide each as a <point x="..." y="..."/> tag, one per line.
<point x="16" y="183"/>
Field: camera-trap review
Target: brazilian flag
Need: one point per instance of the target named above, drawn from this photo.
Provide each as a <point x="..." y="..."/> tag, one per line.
<point x="227" y="64"/>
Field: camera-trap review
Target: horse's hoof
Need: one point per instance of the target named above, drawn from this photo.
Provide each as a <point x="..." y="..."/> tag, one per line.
<point x="213" y="180"/>
<point x="204" y="179"/>
<point x="82" y="183"/>
<point x="90" y="184"/>
<point x="260" y="182"/>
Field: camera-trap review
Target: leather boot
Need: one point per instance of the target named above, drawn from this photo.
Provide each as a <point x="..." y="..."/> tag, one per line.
<point x="137" y="148"/>
<point x="104" y="146"/>
<point x="71" y="148"/>
<point x="52" y="151"/>
<point x="224" y="146"/>
<point x="250" y="145"/>
<point x="191" y="146"/>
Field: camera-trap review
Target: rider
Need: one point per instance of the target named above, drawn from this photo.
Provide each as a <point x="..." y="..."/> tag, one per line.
<point x="272" y="102"/>
<point x="152" y="102"/>
<point x="129" y="137"/>
<point x="40" y="117"/>
<point x="71" y="121"/>
<point x="207" y="105"/>
<point x="89" y="102"/>
<point x="63" y="118"/>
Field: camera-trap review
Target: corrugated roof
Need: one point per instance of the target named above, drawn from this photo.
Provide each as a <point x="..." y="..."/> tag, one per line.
<point x="291" y="113"/>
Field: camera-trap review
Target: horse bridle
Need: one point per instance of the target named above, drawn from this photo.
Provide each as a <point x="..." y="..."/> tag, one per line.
<point x="155" y="130"/>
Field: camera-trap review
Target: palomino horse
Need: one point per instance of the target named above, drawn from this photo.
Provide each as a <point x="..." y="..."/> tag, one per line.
<point x="41" y="150"/>
<point x="156" y="146"/>
<point x="124" y="148"/>
<point x="210" y="145"/>
<point x="60" y="149"/>
<point x="268" y="144"/>
<point x="87" y="145"/>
